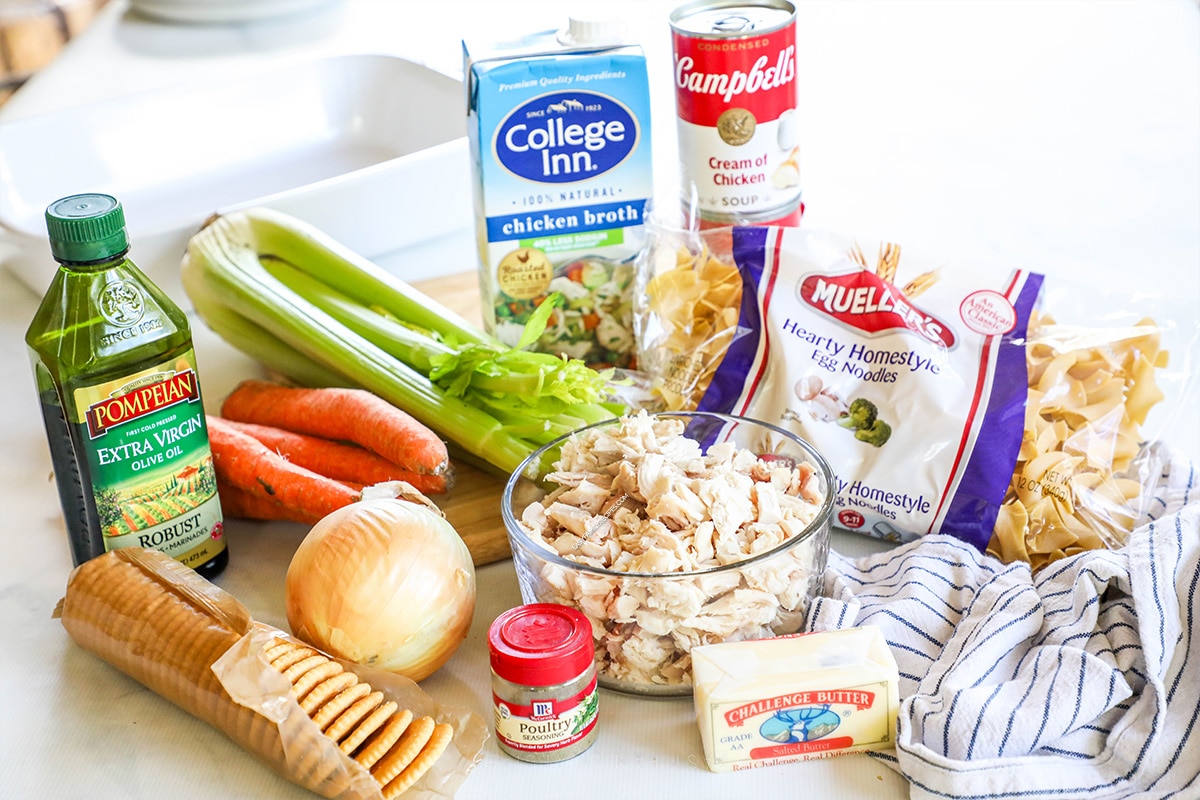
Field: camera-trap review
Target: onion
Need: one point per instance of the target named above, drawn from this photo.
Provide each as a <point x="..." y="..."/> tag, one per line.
<point x="383" y="582"/>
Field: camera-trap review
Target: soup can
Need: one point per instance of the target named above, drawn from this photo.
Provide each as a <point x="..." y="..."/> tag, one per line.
<point x="788" y="216"/>
<point x="735" y="99"/>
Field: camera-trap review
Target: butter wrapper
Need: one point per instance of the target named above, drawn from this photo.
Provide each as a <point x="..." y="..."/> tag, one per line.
<point x="795" y="698"/>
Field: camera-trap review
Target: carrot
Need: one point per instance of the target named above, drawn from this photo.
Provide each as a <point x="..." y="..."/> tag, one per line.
<point x="347" y="463"/>
<point x="241" y="504"/>
<point x="248" y="464"/>
<point x="352" y="415"/>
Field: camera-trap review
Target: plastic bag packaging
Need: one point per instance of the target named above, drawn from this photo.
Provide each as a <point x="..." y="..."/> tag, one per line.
<point x="689" y="292"/>
<point x="197" y="646"/>
<point x="949" y="397"/>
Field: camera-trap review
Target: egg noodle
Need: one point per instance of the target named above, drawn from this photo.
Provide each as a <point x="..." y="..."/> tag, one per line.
<point x="941" y="385"/>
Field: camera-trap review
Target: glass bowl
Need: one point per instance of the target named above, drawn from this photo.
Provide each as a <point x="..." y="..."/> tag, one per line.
<point x="647" y="560"/>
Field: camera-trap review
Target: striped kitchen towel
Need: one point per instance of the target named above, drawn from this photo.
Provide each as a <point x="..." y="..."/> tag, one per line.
<point x="1082" y="681"/>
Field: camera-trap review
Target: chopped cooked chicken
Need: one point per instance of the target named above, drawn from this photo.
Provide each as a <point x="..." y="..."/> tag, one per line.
<point x="641" y="497"/>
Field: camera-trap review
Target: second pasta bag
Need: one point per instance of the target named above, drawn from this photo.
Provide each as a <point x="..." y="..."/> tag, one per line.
<point x="943" y="400"/>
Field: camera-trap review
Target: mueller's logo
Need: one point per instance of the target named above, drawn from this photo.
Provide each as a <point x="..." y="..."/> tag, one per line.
<point x="863" y="300"/>
<point x="762" y="76"/>
<point x="141" y="399"/>
<point x="566" y="136"/>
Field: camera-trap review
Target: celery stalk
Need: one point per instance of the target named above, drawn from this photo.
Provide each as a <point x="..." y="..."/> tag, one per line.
<point x="232" y="273"/>
<point x="490" y="374"/>
<point x="411" y="347"/>
<point x="312" y="310"/>
<point x="311" y="250"/>
<point x="264" y="347"/>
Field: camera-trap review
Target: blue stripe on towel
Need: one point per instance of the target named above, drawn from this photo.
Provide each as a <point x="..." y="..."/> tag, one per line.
<point x="1082" y="681"/>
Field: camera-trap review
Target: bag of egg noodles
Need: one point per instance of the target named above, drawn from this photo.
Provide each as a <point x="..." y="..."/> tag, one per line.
<point x="945" y="399"/>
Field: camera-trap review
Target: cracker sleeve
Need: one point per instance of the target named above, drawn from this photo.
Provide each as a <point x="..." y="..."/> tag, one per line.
<point x="197" y="646"/>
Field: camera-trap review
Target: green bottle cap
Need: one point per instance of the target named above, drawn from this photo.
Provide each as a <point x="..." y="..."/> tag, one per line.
<point x="86" y="227"/>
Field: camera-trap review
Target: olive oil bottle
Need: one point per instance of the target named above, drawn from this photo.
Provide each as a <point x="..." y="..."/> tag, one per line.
<point x="116" y="376"/>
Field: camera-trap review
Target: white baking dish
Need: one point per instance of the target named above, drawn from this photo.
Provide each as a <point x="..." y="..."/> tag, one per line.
<point x="370" y="148"/>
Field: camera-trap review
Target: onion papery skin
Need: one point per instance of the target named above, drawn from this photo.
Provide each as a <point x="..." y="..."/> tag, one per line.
<point x="383" y="582"/>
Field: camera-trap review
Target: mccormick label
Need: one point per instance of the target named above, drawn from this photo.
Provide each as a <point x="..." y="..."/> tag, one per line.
<point x="560" y="151"/>
<point x="546" y="724"/>
<point x="735" y="95"/>
<point x="148" y="455"/>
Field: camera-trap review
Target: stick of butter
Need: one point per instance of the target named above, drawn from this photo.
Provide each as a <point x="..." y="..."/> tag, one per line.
<point x="795" y="698"/>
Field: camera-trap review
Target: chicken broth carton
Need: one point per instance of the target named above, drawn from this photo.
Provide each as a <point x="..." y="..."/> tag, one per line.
<point x="559" y="133"/>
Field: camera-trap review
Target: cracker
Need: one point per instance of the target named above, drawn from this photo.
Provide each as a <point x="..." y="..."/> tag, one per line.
<point x="352" y="715"/>
<point x="367" y="727"/>
<point x="406" y="748"/>
<point x="311" y="678"/>
<point x="307" y="758"/>
<point x="178" y="625"/>
<point x="114" y="596"/>
<point x="157" y="609"/>
<point x="194" y="655"/>
<point x="378" y="745"/>
<point x="294" y="672"/>
<point x="277" y="648"/>
<point x="171" y="636"/>
<point x="340" y="702"/>
<point x="207" y="689"/>
<point x="294" y="654"/>
<point x="123" y="620"/>
<point x="326" y="689"/>
<point x="430" y="753"/>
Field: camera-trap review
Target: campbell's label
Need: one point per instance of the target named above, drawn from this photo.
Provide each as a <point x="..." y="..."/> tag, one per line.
<point x="561" y="153"/>
<point x="763" y="76"/>
<point x="864" y="301"/>
<point x="735" y="79"/>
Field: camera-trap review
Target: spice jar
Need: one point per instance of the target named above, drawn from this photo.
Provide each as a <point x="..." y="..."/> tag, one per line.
<point x="543" y="682"/>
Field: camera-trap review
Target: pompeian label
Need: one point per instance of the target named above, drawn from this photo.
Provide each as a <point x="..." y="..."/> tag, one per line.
<point x="864" y="301"/>
<point x="565" y="137"/>
<point x="141" y="398"/>
<point x="148" y="454"/>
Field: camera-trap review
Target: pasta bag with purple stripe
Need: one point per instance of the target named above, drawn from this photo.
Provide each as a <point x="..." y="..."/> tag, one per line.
<point x="909" y="375"/>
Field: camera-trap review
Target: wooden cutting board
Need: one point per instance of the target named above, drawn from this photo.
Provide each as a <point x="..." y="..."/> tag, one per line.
<point x="32" y="32"/>
<point x="472" y="505"/>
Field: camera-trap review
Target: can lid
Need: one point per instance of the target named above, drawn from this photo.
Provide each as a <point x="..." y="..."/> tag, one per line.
<point x="86" y="227"/>
<point x="732" y="18"/>
<point x="540" y="644"/>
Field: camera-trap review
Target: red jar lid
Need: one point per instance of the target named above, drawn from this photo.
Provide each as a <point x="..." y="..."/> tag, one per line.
<point x="540" y="644"/>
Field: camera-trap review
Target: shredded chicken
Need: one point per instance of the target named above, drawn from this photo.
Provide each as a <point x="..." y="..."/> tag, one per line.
<point x="641" y="497"/>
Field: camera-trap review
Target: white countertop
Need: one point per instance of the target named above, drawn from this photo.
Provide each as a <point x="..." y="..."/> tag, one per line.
<point x="1061" y="136"/>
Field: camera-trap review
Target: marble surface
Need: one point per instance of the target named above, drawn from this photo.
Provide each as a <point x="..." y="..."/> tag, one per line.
<point x="1063" y="136"/>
